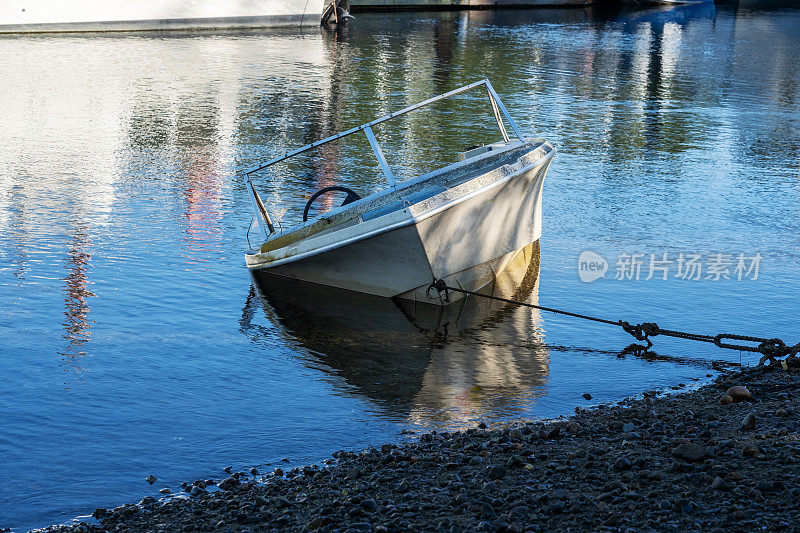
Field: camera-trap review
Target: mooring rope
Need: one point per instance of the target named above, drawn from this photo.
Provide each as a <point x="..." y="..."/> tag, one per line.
<point x="771" y="349"/>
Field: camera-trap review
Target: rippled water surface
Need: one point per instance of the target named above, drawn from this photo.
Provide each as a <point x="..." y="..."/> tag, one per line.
<point x="133" y="342"/>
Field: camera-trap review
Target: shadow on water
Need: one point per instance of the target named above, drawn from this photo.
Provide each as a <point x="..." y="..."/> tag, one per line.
<point x="415" y="361"/>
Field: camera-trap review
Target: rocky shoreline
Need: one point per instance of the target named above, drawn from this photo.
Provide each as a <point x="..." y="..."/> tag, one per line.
<point x="694" y="461"/>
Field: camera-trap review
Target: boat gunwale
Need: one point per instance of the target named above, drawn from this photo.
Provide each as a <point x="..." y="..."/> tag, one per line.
<point x="412" y="220"/>
<point x="351" y="211"/>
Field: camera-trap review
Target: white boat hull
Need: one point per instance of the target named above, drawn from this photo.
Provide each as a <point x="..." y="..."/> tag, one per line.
<point x="467" y="240"/>
<point x="32" y="16"/>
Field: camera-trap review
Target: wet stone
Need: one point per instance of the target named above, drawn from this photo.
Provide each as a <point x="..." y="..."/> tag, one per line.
<point x="369" y="505"/>
<point x="495" y="472"/>
<point x="720" y="484"/>
<point x="622" y="464"/>
<point x="749" y="421"/>
<point x="690" y="452"/>
<point x="739" y="393"/>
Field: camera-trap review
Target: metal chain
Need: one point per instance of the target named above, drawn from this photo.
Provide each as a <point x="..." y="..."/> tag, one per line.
<point x="771" y="349"/>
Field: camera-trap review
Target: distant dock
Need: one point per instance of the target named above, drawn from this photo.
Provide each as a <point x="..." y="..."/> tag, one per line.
<point x="48" y="16"/>
<point x="376" y="5"/>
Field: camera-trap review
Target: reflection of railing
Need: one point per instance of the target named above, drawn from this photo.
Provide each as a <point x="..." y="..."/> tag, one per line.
<point x="497" y="107"/>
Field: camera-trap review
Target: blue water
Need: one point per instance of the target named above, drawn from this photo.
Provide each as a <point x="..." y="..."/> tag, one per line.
<point x="134" y="344"/>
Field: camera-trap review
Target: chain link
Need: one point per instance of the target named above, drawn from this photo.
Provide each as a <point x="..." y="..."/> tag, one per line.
<point x="771" y="349"/>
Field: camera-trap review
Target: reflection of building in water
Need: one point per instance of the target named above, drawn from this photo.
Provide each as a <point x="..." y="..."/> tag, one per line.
<point x="447" y="366"/>
<point x="14" y="216"/>
<point x="77" y="324"/>
<point x="198" y="165"/>
<point x="132" y="121"/>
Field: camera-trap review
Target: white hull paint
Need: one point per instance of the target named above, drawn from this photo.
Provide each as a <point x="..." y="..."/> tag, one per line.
<point x="466" y="235"/>
<point x="36" y="16"/>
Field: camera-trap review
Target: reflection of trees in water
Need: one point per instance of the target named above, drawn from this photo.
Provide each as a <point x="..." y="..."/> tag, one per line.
<point x="77" y="325"/>
<point x="773" y="140"/>
<point x="191" y="128"/>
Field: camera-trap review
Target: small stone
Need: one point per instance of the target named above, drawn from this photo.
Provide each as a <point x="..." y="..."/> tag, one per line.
<point x="751" y="450"/>
<point x="749" y="421"/>
<point x="165" y="490"/>
<point x="228" y="483"/>
<point x="514" y="461"/>
<point x="725" y="399"/>
<point x="765" y="486"/>
<point x="519" y="513"/>
<point x="482" y="425"/>
<point x="739" y="393"/>
<point x="369" y="505"/>
<point x="622" y="464"/>
<point x="690" y="452"/>
<point x="314" y="524"/>
<point x="100" y="513"/>
<point x="197" y="491"/>
<point x="720" y="484"/>
<point x="513" y="527"/>
<point x="587" y="396"/>
<point x="496" y="472"/>
<point x="487" y="511"/>
<point x="151" y="479"/>
<point x="628" y="426"/>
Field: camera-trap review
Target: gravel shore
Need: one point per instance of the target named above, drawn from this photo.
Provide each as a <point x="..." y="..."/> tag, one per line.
<point x="691" y="461"/>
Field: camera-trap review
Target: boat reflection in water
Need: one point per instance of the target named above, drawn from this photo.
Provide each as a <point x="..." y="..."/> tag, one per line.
<point x="421" y="363"/>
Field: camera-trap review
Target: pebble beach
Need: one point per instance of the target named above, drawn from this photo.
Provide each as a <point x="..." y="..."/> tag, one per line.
<point x="722" y="457"/>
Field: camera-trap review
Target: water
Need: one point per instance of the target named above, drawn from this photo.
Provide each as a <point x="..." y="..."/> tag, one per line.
<point x="134" y="344"/>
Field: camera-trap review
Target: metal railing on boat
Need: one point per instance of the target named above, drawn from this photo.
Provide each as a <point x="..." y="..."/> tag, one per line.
<point x="498" y="109"/>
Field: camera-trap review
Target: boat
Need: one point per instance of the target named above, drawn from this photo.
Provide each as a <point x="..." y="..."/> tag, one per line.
<point x="463" y="223"/>
<point x="42" y="16"/>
